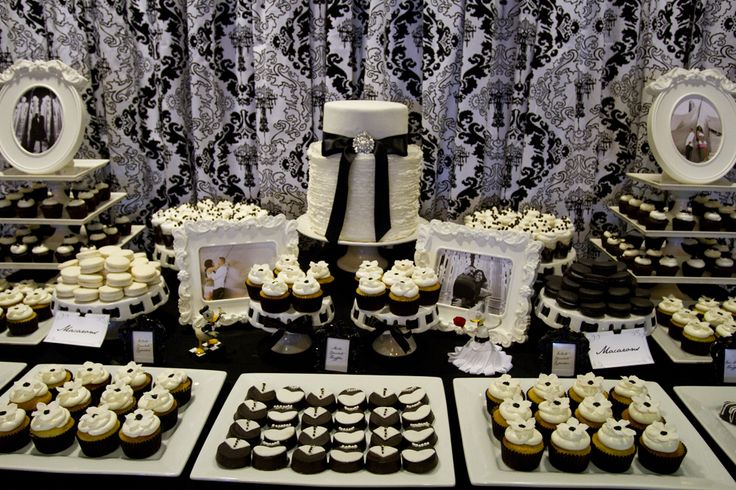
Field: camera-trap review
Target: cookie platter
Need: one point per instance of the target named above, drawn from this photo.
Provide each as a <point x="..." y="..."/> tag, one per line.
<point x="700" y="469"/>
<point x="442" y="475"/>
<point x="169" y="461"/>
<point x="9" y="370"/>
<point x="705" y="403"/>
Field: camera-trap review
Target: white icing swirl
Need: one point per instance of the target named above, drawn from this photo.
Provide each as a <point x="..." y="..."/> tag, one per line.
<point x="158" y="399"/>
<point x="405" y="288"/>
<point x="371" y="285"/>
<point x="131" y="374"/>
<point x="406" y="267"/>
<point x="644" y="410"/>
<point x="699" y="330"/>
<point x="548" y="387"/>
<point x="286" y="260"/>
<point x="392" y="276"/>
<point x="142" y="422"/>
<point x="588" y="384"/>
<point x="424" y="277"/>
<point x="523" y="432"/>
<point x="504" y="387"/>
<point x="37" y="297"/>
<point x="23" y="391"/>
<point x="11" y="417"/>
<point x="555" y="411"/>
<point x="19" y="312"/>
<point x="630" y="386"/>
<point x="306" y="286"/>
<point x="274" y="288"/>
<point x="260" y="273"/>
<point x="705" y="303"/>
<point x="515" y="408"/>
<point x="661" y="437"/>
<point x="72" y="393"/>
<point x="616" y="434"/>
<point x="670" y="304"/>
<point x="117" y="395"/>
<point x="368" y="267"/>
<point x="291" y="274"/>
<point x="716" y="316"/>
<point x="726" y="329"/>
<point x="595" y="408"/>
<point x="318" y="270"/>
<point x="571" y="435"/>
<point x="97" y="421"/>
<point x="684" y="316"/>
<point x="171" y="378"/>
<point x="52" y="374"/>
<point x="92" y="373"/>
<point x="51" y="416"/>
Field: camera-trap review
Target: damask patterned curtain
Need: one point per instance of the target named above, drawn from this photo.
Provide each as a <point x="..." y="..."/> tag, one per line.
<point x="515" y="102"/>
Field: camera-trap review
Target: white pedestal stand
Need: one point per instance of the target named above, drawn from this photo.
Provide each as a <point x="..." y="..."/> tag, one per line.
<point x="357" y="251"/>
<point x="385" y="344"/>
<point x="291" y="342"/>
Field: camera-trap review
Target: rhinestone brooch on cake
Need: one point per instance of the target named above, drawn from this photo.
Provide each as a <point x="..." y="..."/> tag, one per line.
<point x="363" y="143"/>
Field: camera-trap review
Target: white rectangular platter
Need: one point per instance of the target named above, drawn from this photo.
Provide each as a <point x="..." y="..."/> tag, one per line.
<point x="206" y="468"/>
<point x="701" y="469"/>
<point x="705" y="403"/>
<point x="671" y="347"/>
<point x="34" y="338"/>
<point x="8" y="371"/>
<point x="170" y="460"/>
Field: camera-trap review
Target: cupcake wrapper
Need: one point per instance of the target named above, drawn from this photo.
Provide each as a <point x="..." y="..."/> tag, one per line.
<point x="498" y="428"/>
<point x="51" y="445"/>
<point x="101" y="447"/>
<point x="143" y="448"/>
<point x="403" y="308"/>
<point x="567" y="462"/>
<point x="183" y="395"/>
<point x="429" y="298"/>
<point x="168" y="420"/>
<point x="675" y="332"/>
<point x="695" y="348"/>
<point x="520" y="462"/>
<point x="277" y="305"/>
<point x="370" y="303"/>
<point x="660" y="464"/>
<point x="306" y="305"/>
<point x="254" y="292"/>
<point x="610" y="462"/>
<point x="25" y="327"/>
<point x="17" y="440"/>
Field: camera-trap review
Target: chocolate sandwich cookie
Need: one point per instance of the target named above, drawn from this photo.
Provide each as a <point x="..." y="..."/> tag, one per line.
<point x="641" y="306"/>
<point x="321" y="398"/>
<point x="252" y="410"/>
<point x="233" y="453"/>
<point x="618" y="310"/>
<point x="552" y="285"/>
<point x="316" y="416"/>
<point x="315" y="436"/>
<point x="291" y="395"/>
<point x="587" y="295"/>
<point x="263" y="393"/>
<point x="309" y="460"/>
<point x="618" y="295"/>
<point x="284" y="435"/>
<point x="578" y="271"/>
<point x="604" y="266"/>
<point x="416" y="414"/>
<point x="567" y="300"/>
<point x="419" y="460"/>
<point x="248" y="430"/>
<point x="419" y="438"/>
<point x="569" y="284"/>
<point x="620" y="279"/>
<point x="383" y="398"/>
<point x="383" y="460"/>
<point x="270" y="456"/>
<point x="594" y="281"/>
<point x="351" y="397"/>
<point x="353" y="440"/>
<point x="384" y="417"/>
<point x="386" y="436"/>
<point x="349" y="421"/>
<point x="346" y="461"/>
<point x="596" y="309"/>
<point x="412" y="395"/>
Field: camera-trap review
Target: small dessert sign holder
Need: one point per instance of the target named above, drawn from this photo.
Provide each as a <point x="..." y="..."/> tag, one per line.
<point x="394" y="333"/>
<point x="293" y="328"/>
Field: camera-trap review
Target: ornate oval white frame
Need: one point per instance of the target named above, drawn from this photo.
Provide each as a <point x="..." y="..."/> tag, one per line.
<point x="190" y="237"/>
<point x="67" y="84"/>
<point x="519" y="247"/>
<point x="668" y="90"/>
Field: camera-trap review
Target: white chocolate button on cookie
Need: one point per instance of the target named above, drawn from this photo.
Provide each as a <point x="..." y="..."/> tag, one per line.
<point x="109" y="293"/>
<point x="85" y="295"/>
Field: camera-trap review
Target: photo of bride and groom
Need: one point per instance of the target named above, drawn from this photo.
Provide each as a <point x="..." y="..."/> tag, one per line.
<point x="224" y="268"/>
<point x="215" y="273"/>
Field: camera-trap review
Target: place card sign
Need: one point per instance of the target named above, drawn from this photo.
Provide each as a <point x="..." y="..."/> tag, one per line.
<point x="143" y="347"/>
<point x="71" y="328"/>
<point x="626" y="348"/>
<point x="729" y="366"/>
<point x="337" y="354"/>
<point x="563" y="359"/>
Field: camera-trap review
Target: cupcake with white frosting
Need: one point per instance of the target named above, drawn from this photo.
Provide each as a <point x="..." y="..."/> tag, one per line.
<point x="177" y="382"/>
<point x="140" y="435"/>
<point x="429" y="285"/>
<point x="163" y="404"/>
<point x="321" y="272"/>
<point x="21" y="320"/>
<point x="26" y="394"/>
<point x="370" y="294"/>
<point x="522" y="445"/>
<point x="613" y="447"/>
<point x="585" y="385"/>
<point x="660" y="448"/>
<point x="14" y="428"/>
<point x="275" y="296"/>
<point x="74" y="397"/>
<point x="551" y="413"/>
<point x="53" y="376"/>
<point x="290" y="274"/>
<point x="40" y="302"/>
<point x="119" y="398"/>
<point x="368" y="268"/>
<point x="52" y="428"/>
<point x="547" y="387"/>
<point x="94" y="377"/>
<point x="403" y="298"/>
<point x="406" y="267"/>
<point x="668" y="306"/>
<point x="569" y="446"/>
<point x="510" y="409"/>
<point x="622" y="394"/>
<point x="642" y="412"/>
<point x="697" y="338"/>
<point x="285" y="261"/>
<point x="257" y="275"/>
<point x="133" y="375"/>
<point x="306" y="295"/>
<point x="97" y="431"/>
<point x="593" y="411"/>
<point x="500" y="389"/>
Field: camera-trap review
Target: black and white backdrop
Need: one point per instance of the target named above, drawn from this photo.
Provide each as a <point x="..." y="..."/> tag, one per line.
<point x="515" y="102"/>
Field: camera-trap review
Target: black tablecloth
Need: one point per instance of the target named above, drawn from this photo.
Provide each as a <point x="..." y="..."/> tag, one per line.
<point x="247" y="350"/>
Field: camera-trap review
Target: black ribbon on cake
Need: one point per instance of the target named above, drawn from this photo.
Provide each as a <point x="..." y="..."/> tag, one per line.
<point x="300" y="325"/>
<point x="381" y="326"/>
<point x="332" y="144"/>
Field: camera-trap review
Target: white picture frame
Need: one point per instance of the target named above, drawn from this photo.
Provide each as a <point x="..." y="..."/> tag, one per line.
<point x="690" y="108"/>
<point x="257" y="240"/>
<point x="510" y="256"/>
<point x="48" y="115"/>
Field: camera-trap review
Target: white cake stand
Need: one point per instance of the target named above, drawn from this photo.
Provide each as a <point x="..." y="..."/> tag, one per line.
<point x="291" y="342"/>
<point x="357" y="251"/>
<point x="385" y="344"/>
